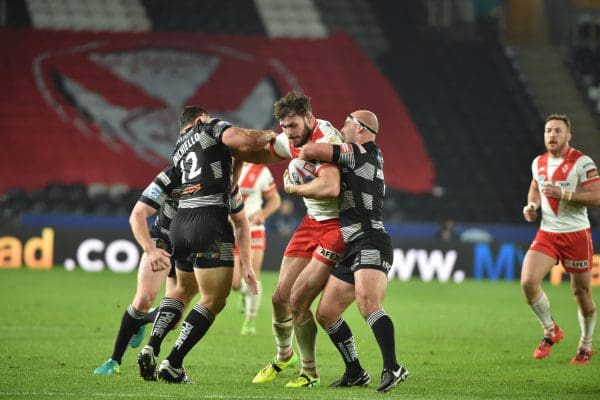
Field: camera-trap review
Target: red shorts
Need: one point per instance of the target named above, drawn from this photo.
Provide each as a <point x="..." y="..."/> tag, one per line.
<point x="258" y="240"/>
<point x="319" y="239"/>
<point x="574" y="249"/>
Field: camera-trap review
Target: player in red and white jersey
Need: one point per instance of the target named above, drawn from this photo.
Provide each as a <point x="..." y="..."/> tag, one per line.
<point x="565" y="182"/>
<point x="255" y="183"/>
<point x="314" y="248"/>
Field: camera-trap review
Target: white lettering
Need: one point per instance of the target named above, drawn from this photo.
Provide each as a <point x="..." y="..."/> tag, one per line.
<point x="132" y="256"/>
<point x="434" y="263"/>
<point x="86" y="248"/>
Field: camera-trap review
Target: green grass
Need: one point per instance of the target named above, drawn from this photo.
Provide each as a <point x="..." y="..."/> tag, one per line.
<point x="468" y="341"/>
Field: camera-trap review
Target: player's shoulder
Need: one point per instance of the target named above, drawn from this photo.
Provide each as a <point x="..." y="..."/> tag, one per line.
<point x="325" y="132"/>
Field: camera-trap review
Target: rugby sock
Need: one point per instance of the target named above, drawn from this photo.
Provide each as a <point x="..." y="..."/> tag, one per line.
<point x="306" y="335"/>
<point x="342" y="338"/>
<point x="383" y="328"/>
<point x="169" y="314"/>
<point x="283" y="330"/>
<point x="130" y="323"/>
<point x="151" y="315"/>
<point x="587" y="325"/>
<point x="541" y="309"/>
<point x="252" y="302"/>
<point x="192" y="330"/>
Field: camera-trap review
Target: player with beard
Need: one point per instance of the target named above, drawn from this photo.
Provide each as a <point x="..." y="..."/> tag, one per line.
<point x="565" y="182"/>
<point x="314" y="247"/>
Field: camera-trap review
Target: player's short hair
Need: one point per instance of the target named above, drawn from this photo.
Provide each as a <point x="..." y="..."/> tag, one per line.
<point x="189" y="115"/>
<point x="293" y="103"/>
<point x="560" y="117"/>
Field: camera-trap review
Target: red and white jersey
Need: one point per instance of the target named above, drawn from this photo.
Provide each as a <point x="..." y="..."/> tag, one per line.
<point x="571" y="171"/>
<point x="255" y="180"/>
<point x="324" y="132"/>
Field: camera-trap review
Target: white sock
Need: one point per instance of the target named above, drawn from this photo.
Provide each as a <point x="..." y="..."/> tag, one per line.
<point x="541" y="309"/>
<point x="243" y="287"/>
<point x="252" y="302"/>
<point x="587" y="325"/>
<point x="306" y="335"/>
<point x="283" y="329"/>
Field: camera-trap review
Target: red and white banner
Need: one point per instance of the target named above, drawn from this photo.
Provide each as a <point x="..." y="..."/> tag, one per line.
<point x="104" y="107"/>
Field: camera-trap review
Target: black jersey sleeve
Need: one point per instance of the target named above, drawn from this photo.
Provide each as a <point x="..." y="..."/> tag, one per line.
<point x="216" y="127"/>
<point x="348" y="154"/>
<point x="161" y="188"/>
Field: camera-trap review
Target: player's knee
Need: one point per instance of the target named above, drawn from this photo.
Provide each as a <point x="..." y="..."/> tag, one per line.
<point x="280" y="299"/>
<point x="326" y="318"/>
<point x="582" y="292"/>
<point x="144" y="301"/>
<point x="367" y="304"/>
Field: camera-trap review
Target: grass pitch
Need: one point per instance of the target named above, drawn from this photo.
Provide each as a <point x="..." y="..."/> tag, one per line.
<point x="460" y="341"/>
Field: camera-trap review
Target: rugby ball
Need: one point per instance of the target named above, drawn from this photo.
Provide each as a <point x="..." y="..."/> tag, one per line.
<point x="301" y="171"/>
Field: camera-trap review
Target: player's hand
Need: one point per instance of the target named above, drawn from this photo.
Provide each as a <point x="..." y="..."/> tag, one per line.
<point x="552" y="191"/>
<point x="530" y="212"/>
<point x="159" y="259"/>
<point x="288" y="185"/>
<point x="250" y="278"/>
<point x="257" y="218"/>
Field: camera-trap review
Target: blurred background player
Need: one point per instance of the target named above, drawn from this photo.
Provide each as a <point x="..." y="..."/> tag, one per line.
<point x="155" y="264"/>
<point x="255" y="184"/>
<point x="361" y="272"/>
<point x="565" y="181"/>
<point x="314" y="247"/>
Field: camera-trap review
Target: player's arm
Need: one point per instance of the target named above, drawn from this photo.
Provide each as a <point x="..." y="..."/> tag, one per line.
<point x="317" y="151"/>
<point x="247" y="140"/>
<point x="272" y="202"/>
<point x="138" y="219"/>
<point x="241" y="228"/>
<point x="325" y="186"/>
<point x="589" y="195"/>
<point x="533" y="202"/>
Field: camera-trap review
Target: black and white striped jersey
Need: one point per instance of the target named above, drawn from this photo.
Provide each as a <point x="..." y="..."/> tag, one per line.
<point x="204" y="166"/>
<point x="362" y="189"/>
<point x="163" y="195"/>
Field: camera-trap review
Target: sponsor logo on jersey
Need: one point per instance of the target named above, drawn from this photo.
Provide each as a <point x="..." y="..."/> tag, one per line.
<point x="210" y="255"/>
<point x="592" y="173"/>
<point x="191" y="189"/>
<point x="153" y="192"/>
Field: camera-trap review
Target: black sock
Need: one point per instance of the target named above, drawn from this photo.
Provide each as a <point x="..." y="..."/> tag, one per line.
<point x="169" y="314"/>
<point x="149" y="318"/>
<point x="130" y="324"/>
<point x="341" y="336"/>
<point x="383" y="328"/>
<point x="192" y="330"/>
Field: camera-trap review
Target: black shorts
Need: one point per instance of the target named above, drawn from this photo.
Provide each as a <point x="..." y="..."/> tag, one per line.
<point x="371" y="251"/>
<point x="202" y="238"/>
<point x="164" y="243"/>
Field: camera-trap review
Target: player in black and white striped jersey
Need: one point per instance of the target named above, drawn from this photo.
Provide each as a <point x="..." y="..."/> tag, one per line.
<point x="361" y="273"/>
<point x="201" y="234"/>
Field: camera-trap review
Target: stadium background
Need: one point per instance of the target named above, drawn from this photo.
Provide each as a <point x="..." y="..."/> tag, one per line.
<point x="92" y="90"/>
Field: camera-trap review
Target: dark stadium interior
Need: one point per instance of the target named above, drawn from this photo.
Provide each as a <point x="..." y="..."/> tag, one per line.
<point x="461" y="83"/>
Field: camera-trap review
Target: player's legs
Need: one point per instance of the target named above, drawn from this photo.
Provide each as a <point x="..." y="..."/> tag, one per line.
<point x="251" y="300"/>
<point x="337" y="296"/>
<point x="179" y="292"/>
<point x="309" y="283"/>
<point x="148" y="284"/>
<point x="283" y="328"/>
<point x="536" y="265"/>
<point x="214" y="285"/>
<point x="581" y="286"/>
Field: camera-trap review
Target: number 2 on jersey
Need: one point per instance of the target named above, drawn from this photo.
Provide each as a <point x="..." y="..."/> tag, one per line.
<point x="194" y="170"/>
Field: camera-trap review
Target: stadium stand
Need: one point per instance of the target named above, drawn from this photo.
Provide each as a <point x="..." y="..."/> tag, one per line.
<point x="459" y="124"/>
